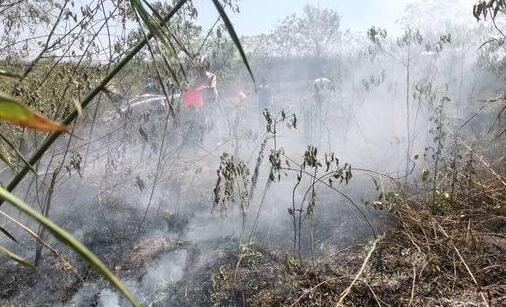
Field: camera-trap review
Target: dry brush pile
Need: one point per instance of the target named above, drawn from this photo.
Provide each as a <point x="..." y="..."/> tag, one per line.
<point x="446" y="251"/>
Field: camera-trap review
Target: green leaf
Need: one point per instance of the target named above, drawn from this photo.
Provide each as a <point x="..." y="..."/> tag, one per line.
<point x="158" y="32"/>
<point x="8" y="234"/>
<point x="7" y="253"/>
<point x="233" y="35"/>
<point x="69" y="240"/>
<point x="17" y="112"/>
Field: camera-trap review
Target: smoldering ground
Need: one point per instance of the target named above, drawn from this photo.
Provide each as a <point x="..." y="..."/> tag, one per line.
<point x="103" y="203"/>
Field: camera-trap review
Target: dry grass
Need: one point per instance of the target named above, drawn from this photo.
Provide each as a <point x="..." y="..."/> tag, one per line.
<point x="452" y="256"/>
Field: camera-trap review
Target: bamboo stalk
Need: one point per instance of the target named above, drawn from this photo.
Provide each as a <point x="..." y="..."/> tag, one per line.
<point x="51" y="138"/>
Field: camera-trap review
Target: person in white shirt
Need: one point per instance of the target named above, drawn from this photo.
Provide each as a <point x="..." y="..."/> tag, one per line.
<point x="315" y="113"/>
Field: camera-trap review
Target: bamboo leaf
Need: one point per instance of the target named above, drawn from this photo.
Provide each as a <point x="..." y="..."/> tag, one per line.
<point x="153" y="26"/>
<point x="171" y="35"/>
<point x="17" y="112"/>
<point x="8" y="234"/>
<point x="233" y="35"/>
<point x="157" y="30"/>
<point x="69" y="240"/>
<point x="7" y="253"/>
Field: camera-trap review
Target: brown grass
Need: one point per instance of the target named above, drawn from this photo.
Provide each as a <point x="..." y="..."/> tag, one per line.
<point x="452" y="256"/>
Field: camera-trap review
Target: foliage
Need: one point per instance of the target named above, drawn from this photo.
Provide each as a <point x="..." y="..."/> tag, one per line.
<point x="488" y="8"/>
<point x="232" y="183"/>
<point x="315" y="33"/>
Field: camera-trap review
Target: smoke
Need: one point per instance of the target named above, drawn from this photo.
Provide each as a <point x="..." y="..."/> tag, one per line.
<point x="148" y="211"/>
<point x="107" y="298"/>
<point x="152" y="286"/>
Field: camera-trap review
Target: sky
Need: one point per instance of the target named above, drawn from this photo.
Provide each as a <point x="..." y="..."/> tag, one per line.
<point x="262" y="16"/>
<point x="356" y="15"/>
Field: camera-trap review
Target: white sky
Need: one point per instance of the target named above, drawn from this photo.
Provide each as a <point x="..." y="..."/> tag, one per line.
<point x="355" y="14"/>
<point x="261" y="16"/>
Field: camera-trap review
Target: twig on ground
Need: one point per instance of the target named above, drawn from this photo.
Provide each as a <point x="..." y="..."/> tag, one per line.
<point x="412" y="286"/>
<point x="345" y="293"/>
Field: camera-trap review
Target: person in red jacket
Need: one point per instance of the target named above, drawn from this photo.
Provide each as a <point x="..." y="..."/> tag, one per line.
<point x="202" y="92"/>
<point x="199" y="101"/>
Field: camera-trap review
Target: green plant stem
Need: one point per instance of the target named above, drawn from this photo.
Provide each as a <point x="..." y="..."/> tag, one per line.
<point x="7" y="253"/>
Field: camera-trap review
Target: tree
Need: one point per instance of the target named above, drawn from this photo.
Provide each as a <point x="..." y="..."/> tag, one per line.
<point x="494" y="50"/>
<point x="319" y="29"/>
<point x="314" y="33"/>
<point x="405" y="50"/>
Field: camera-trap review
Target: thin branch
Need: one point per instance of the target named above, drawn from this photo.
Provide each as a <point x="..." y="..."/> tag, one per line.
<point x="345" y="293"/>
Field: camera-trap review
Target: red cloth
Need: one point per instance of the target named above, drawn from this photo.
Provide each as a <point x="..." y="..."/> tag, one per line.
<point x="193" y="98"/>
